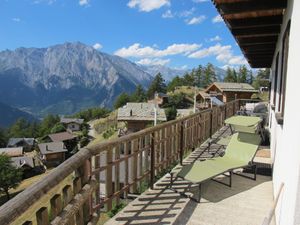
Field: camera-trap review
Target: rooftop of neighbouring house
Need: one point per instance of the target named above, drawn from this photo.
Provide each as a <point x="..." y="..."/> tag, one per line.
<point x="140" y="112"/>
<point x="71" y="120"/>
<point x="246" y="202"/>
<point x="232" y="87"/>
<point x="52" y="147"/>
<point x="62" y="136"/>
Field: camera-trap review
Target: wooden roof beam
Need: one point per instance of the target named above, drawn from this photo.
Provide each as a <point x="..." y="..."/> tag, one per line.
<point x="256" y="30"/>
<point x="255" y="22"/>
<point x="253" y="14"/>
<point x="249" y="6"/>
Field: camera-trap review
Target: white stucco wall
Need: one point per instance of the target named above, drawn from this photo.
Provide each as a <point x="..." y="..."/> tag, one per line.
<point x="285" y="139"/>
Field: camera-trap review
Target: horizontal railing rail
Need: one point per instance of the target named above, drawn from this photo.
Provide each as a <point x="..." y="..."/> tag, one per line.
<point x="98" y="177"/>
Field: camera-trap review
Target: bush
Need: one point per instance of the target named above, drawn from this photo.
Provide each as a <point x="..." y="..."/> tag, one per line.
<point x="171" y="113"/>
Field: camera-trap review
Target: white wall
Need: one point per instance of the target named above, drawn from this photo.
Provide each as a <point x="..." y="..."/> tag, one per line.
<point x="285" y="139"/>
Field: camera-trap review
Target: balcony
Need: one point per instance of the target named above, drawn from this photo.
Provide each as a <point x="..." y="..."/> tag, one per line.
<point x="96" y="179"/>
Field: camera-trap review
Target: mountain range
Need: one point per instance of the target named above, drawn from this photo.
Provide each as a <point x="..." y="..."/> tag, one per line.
<point x="65" y="78"/>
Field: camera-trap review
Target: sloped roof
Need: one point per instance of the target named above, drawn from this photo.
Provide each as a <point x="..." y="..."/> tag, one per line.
<point x="12" y="152"/>
<point x="71" y="120"/>
<point x="140" y="112"/>
<point x="52" y="147"/>
<point x="234" y="87"/>
<point x="15" y="141"/>
<point x="203" y="95"/>
<point x="63" y="136"/>
<point x="21" y="161"/>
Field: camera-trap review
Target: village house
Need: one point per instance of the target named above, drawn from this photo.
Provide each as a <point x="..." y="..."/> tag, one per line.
<point x="139" y="115"/>
<point x="52" y="153"/>
<point x="12" y="152"/>
<point x="72" y="124"/>
<point x="69" y="140"/>
<point x="27" y="163"/>
<point x="26" y="143"/>
<point x="227" y="92"/>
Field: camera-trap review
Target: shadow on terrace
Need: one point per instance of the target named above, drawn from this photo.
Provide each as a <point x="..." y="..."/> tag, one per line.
<point x="246" y="202"/>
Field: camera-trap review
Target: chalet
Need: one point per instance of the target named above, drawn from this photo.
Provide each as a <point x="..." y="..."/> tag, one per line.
<point x="70" y="140"/>
<point x="26" y="143"/>
<point x="139" y="115"/>
<point x="12" y="152"/>
<point x="52" y="153"/>
<point x="159" y="99"/>
<point x="72" y="124"/>
<point x="227" y="92"/>
<point x="25" y="162"/>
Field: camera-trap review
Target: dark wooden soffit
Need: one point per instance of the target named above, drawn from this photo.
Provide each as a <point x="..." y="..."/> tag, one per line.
<point x="255" y="24"/>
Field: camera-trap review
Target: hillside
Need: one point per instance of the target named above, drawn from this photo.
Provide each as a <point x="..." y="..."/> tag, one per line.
<point x="8" y="115"/>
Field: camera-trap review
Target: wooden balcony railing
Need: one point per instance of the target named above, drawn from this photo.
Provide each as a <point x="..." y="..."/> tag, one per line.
<point x="99" y="176"/>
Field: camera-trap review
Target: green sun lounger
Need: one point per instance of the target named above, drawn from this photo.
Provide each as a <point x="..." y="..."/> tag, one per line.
<point x="247" y="124"/>
<point x="239" y="153"/>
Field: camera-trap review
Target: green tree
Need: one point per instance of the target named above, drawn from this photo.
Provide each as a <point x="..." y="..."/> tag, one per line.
<point x="57" y="128"/>
<point x="230" y="75"/>
<point x="171" y="113"/>
<point x="175" y="82"/>
<point x="243" y="74"/>
<point x="262" y="78"/>
<point x="19" y="128"/>
<point x="178" y="101"/>
<point x="209" y="75"/>
<point x="199" y="76"/>
<point x="121" y="100"/>
<point x="139" y="95"/>
<point x="189" y="79"/>
<point x="10" y="176"/>
<point x="3" y="138"/>
<point x="48" y="123"/>
<point x="158" y="85"/>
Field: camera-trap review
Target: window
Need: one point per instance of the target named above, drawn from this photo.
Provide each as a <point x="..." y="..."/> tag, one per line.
<point x="275" y="81"/>
<point x="283" y="74"/>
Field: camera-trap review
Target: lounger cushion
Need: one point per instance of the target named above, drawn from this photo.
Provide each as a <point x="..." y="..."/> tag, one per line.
<point x="239" y="152"/>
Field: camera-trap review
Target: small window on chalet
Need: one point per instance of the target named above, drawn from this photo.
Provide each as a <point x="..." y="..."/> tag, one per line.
<point x="284" y="62"/>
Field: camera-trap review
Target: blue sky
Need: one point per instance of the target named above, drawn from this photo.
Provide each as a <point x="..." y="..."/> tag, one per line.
<point x="176" y="33"/>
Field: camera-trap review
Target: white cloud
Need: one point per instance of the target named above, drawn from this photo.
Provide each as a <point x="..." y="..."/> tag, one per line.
<point x="217" y="19"/>
<point x="187" y="13"/>
<point x="84" y="2"/>
<point x="97" y="46"/>
<point x="155" y="61"/>
<point x="200" y="1"/>
<point x="16" y="19"/>
<point x="49" y="2"/>
<point x="167" y="14"/>
<point x="148" y="5"/>
<point x="222" y="53"/>
<point x="216" y="38"/>
<point x="138" y="51"/>
<point x="195" y="20"/>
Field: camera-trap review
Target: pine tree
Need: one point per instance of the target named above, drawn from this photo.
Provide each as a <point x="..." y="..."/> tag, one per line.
<point x="209" y="75"/>
<point x="10" y="176"/>
<point x="121" y="100"/>
<point x="243" y="74"/>
<point x="139" y="95"/>
<point x="158" y="85"/>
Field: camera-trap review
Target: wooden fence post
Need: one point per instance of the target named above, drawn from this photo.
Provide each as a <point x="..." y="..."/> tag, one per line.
<point x="211" y="123"/>
<point x="152" y="161"/>
<point x="181" y="142"/>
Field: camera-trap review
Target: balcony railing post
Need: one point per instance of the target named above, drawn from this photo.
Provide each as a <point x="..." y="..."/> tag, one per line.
<point x="211" y="123"/>
<point x="152" y="161"/>
<point x="181" y="142"/>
